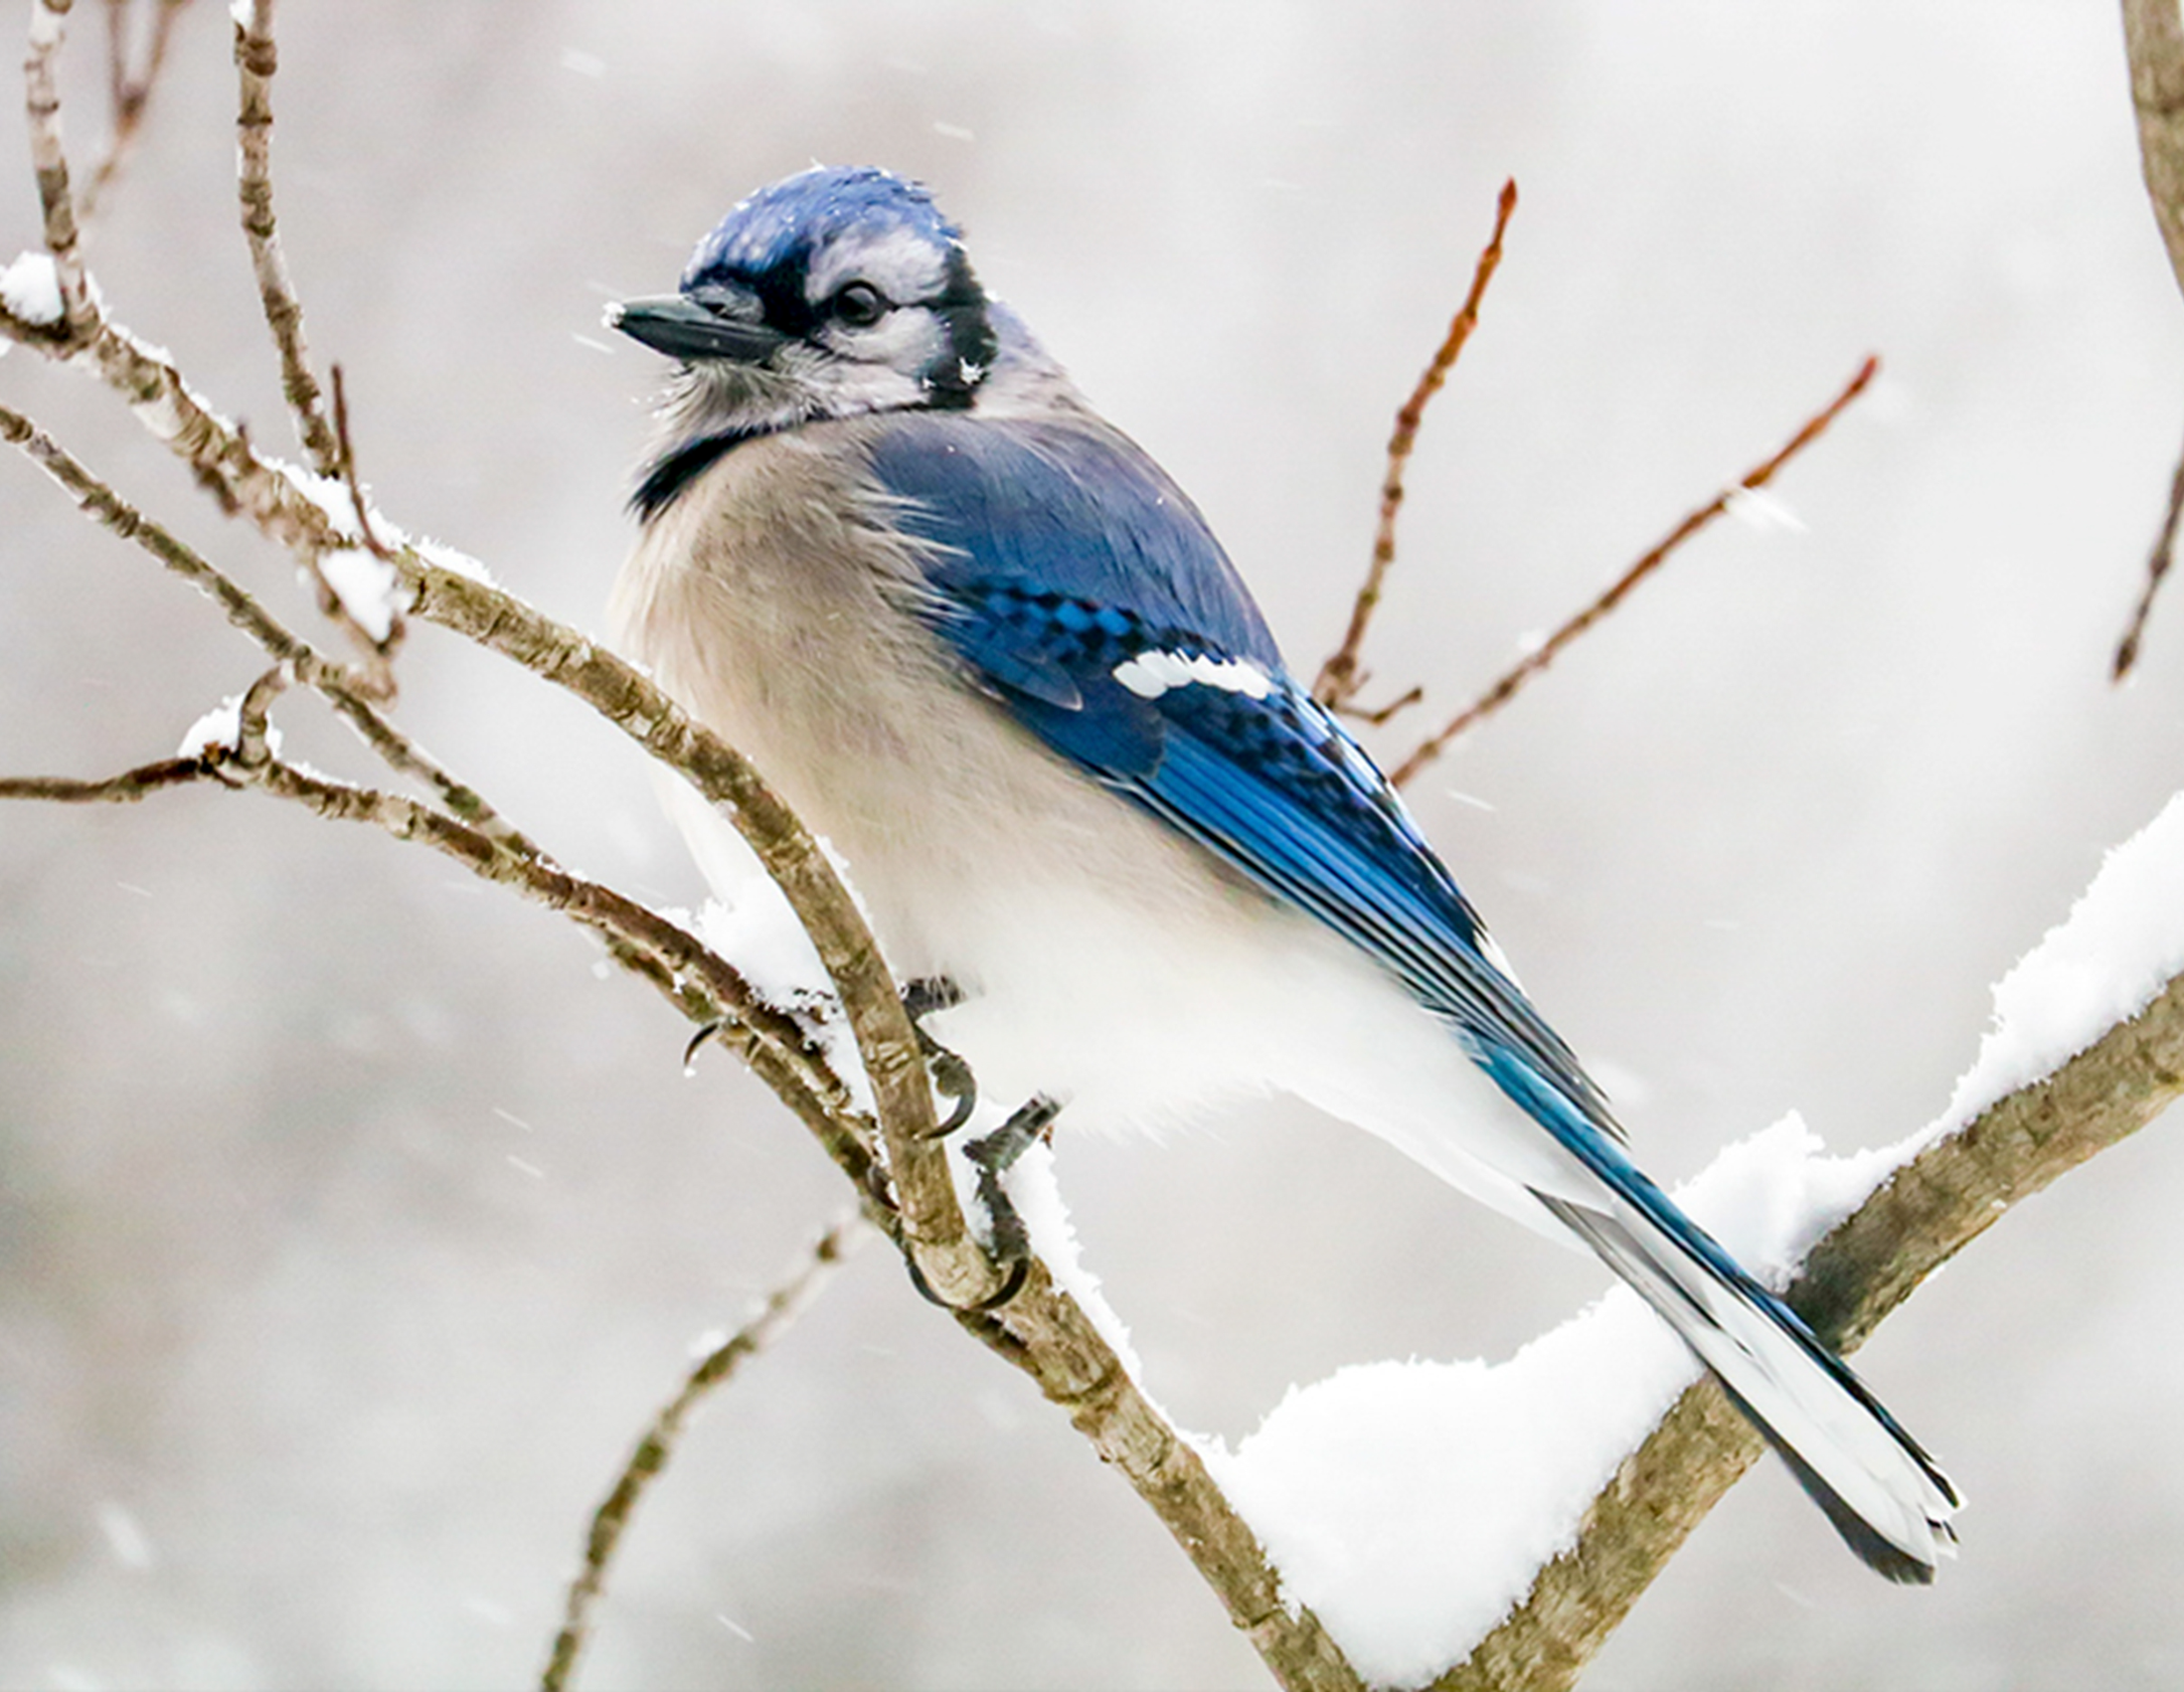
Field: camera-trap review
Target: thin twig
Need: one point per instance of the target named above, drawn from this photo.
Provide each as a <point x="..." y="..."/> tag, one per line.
<point x="312" y="668"/>
<point x="256" y="59"/>
<point x="129" y="93"/>
<point x="125" y="788"/>
<point x="50" y="161"/>
<point x="782" y="1307"/>
<point x="217" y="450"/>
<point x="254" y="738"/>
<point x="345" y="453"/>
<point x="1495" y="697"/>
<point x="1040" y="1330"/>
<point x="703" y="985"/>
<point x="1342" y="677"/>
<point x="2158" y="565"/>
<point x="949" y="1256"/>
<point x="769" y="1039"/>
<point x="377" y="647"/>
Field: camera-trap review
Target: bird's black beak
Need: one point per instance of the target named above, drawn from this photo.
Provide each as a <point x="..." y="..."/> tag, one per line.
<point x="675" y="326"/>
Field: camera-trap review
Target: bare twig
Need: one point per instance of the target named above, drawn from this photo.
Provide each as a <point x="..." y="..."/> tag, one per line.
<point x="2157" y="567"/>
<point x="215" y="449"/>
<point x="338" y="684"/>
<point x="1040" y="1330"/>
<point x="345" y="453"/>
<point x="1495" y="697"/>
<point x="2153" y="41"/>
<point x="1342" y="677"/>
<point x="376" y="646"/>
<point x="253" y="739"/>
<point x="129" y="93"/>
<point x="703" y="985"/>
<point x="782" y="1307"/>
<point x="50" y="161"/>
<point x="256" y="59"/>
<point x="130" y="785"/>
<point x="246" y="484"/>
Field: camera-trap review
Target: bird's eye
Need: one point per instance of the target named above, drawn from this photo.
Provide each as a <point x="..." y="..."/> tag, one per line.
<point x="859" y="305"/>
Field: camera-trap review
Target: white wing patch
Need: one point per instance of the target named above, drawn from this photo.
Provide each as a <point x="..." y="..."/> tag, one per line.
<point x="1151" y="674"/>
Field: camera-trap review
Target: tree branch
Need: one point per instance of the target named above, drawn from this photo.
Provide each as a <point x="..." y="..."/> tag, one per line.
<point x="2157" y="567"/>
<point x="704" y="986"/>
<point x="1495" y="697"/>
<point x="716" y="1368"/>
<point x="100" y="502"/>
<point x="1867" y="1266"/>
<point x="50" y="162"/>
<point x="2153" y="44"/>
<point x="255" y="61"/>
<point x="1340" y="677"/>
<point x="130" y="93"/>
<point x="130" y="785"/>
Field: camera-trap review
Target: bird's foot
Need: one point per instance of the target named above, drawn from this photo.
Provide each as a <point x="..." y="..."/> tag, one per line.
<point x="993" y="1155"/>
<point x="951" y="1075"/>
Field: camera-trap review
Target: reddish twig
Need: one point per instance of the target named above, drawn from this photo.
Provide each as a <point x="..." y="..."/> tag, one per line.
<point x="1495" y="697"/>
<point x="2158" y="565"/>
<point x="1342" y="677"/>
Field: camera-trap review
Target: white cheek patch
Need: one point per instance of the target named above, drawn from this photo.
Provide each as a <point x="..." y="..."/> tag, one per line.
<point x="902" y="263"/>
<point x="910" y="339"/>
<point x="1151" y="674"/>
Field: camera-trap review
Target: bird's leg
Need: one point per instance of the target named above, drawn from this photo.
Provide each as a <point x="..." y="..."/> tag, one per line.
<point x="993" y="1155"/>
<point x="951" y="1075"/>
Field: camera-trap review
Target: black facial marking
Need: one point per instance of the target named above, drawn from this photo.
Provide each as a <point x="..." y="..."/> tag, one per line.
<point x="951" y="382"/>
<point x="670" y="474"/>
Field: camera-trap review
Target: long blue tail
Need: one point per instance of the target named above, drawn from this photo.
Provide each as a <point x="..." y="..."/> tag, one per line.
<point x="1888" y="1499"/>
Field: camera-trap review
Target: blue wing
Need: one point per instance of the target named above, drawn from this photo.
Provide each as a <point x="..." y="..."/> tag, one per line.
<point x="1086" y="593"/>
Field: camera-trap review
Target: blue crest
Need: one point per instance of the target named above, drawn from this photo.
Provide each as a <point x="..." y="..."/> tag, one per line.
<point x="784" y="224"/>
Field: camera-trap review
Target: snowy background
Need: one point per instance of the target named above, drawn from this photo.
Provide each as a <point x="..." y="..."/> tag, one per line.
<point x="350" y="1227"/>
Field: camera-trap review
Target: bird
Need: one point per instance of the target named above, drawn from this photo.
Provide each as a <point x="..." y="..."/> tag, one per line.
<point x="983" y="644"/>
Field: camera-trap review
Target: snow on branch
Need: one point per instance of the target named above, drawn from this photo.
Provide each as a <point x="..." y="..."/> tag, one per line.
<point x="2090" y="1046"/>
<point x="2087" y="1048"/>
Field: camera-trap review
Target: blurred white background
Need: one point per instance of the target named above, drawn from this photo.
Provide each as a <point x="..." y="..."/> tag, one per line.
<point x="350" y="1227"/>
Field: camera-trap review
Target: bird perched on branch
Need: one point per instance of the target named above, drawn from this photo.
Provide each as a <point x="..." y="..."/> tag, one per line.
<point x="980" y="641"/>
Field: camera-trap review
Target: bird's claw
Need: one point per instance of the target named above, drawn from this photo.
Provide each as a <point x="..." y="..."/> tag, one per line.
<point x="951" y="1075"/>
<point x="993" y="1155"/>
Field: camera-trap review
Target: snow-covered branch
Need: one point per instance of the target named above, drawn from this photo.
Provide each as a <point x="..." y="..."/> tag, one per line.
<point x="2088" y="1046"/>
<point x="1873" y="1246"/>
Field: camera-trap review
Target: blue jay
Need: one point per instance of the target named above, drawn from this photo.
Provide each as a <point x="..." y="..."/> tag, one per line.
<point x="981" y="642"/>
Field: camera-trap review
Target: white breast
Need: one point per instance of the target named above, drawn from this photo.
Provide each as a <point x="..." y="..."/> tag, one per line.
<point x="1109" y="961"/>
